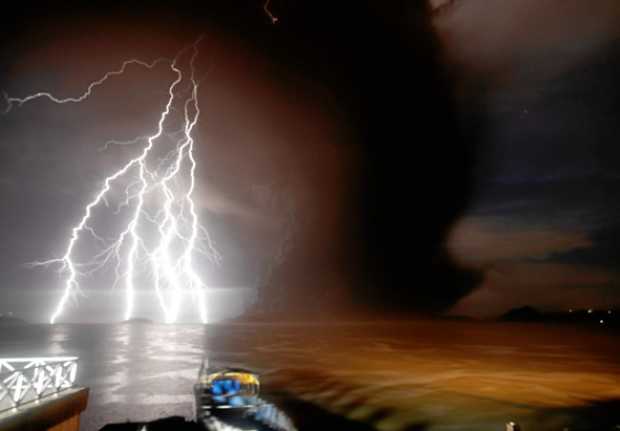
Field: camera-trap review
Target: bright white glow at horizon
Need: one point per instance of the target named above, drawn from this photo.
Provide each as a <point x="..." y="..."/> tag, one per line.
<point x="179" y="234"/>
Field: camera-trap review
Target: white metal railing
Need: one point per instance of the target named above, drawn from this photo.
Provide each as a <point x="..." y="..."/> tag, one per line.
<point x="23" y="380"/>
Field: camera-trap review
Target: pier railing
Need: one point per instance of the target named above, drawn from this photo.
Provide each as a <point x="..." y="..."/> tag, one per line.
<point x="24" y="380"/>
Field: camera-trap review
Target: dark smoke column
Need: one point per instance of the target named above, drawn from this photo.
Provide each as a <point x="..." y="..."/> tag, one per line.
<point x="379" y="64"/>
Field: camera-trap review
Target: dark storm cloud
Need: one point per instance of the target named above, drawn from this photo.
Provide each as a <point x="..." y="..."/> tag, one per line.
<point x="605" y="253"/>
<point x="481" y="241"/>
<point x="503" y="41"/>
<point x="554" y="243"/>
<point x="587" y="202"/>
<point x="543" y="77"/>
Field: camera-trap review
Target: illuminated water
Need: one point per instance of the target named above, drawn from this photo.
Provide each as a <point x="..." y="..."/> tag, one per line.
<point x="414" y="376"/>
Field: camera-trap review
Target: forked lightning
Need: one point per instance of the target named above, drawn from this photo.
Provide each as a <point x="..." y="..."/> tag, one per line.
<point x="170" y="183"/>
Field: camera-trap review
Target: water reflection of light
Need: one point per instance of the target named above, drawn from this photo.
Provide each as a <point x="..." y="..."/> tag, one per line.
<point x="146" y="371"/>
<point x="58" y="337"/>
<point x="116" y="382"/>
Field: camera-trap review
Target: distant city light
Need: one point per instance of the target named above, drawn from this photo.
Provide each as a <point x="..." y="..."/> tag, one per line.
<point x="602" y="321"/>
<point x="590" y="311"/>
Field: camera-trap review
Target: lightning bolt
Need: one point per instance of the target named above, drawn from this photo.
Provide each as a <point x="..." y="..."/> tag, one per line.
<point x="274" y="19"/>
<point x="20" y="101"/>
<point x="179" y="233"/>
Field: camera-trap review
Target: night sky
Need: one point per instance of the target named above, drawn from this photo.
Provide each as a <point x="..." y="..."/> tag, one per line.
<point x="385" y="159"/>
<point x="543" y="221"/>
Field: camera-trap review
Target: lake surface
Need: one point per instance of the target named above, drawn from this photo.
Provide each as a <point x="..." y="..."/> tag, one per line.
<point x="384" y="376"/>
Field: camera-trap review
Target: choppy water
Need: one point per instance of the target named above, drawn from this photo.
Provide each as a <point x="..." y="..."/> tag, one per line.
<point x="424" y="375"/>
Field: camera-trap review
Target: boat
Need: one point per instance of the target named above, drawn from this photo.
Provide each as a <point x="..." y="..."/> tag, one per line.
<point x="228" y="399"/>
<point x="39" y="393"/>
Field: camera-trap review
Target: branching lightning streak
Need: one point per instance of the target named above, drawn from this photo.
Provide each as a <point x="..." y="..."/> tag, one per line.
<point x="172" y="270"/>
<point x="272" y="17"/>
<point x="89" y="90"/>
